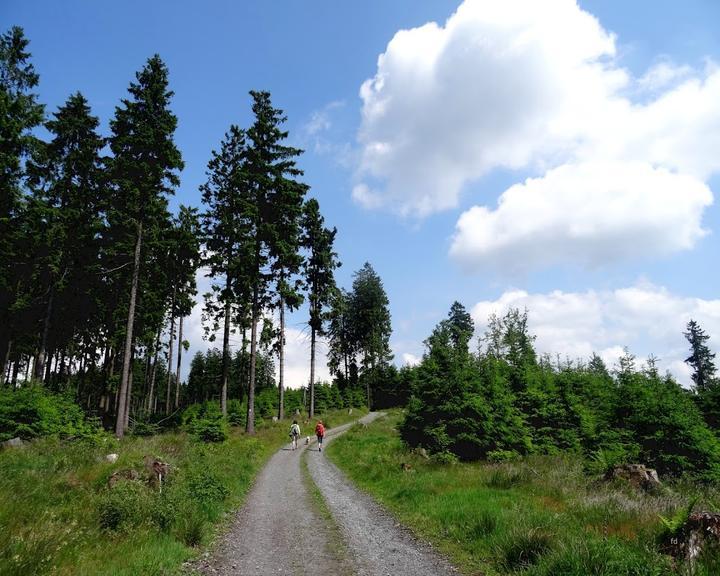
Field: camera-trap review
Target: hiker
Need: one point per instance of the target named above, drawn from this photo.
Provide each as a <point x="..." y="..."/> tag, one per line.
<point x="320" y="433"/>
<point x="294" y="434"/>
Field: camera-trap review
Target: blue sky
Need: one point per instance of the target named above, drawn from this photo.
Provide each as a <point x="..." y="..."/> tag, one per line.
<point x="610" y="108"/>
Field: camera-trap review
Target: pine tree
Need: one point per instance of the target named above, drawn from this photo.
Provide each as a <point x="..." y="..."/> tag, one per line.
<point x="271" y="175"/>
<point x="145" y="169"/>
<point x="225" y="231"/>
<point x="19" y="114"/>
<point x="319" y="268"/>
<point x="701" y="360"/>
<point x="370" y="318"/>
<point x="65" y="176"/>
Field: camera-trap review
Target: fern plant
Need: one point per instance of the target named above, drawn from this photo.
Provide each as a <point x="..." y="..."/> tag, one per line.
<point x="672" y="525"/>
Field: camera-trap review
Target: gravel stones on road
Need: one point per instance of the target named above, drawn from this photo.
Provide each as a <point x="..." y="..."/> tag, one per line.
<point x="280" y="530"/>
<point x="377" y="543"/>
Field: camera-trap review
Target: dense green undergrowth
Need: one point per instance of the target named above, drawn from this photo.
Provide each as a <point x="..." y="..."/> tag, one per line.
<point x="58" y="515"/>
<point x="540" y="515"/>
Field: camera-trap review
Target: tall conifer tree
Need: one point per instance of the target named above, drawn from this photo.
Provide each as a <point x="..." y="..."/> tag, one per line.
<point x="145" y="170"/>
<point x="319" y="268"/>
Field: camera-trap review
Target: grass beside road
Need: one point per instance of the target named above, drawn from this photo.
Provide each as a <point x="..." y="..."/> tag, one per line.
<point x="542" y="516"/>
<point x="57" y="515"/>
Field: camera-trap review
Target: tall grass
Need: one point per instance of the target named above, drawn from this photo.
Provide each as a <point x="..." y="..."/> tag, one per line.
<point x="537" y="516"/>
<point x="57" y="515"/>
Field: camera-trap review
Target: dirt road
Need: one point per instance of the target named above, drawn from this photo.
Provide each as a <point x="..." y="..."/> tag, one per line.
<point x="282" y="531"/>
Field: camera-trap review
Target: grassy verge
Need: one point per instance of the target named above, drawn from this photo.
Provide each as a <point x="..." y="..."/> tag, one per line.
<point x="539" y="516"/>
<point x="57" y="515"/>
<point x="335" y="543"/>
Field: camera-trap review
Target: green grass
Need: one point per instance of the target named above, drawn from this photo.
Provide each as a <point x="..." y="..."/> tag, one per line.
<point x="57" y="515"/>
<point x="538" y="516"/>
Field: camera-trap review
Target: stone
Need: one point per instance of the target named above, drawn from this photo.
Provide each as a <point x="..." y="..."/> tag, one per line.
<point x="13" y="443"/>
<point x="112" y="458"/>
<point x="636" y="474"/>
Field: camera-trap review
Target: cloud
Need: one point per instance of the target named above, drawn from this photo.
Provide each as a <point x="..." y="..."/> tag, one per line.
<point x="502" y="84"/>
<point x="588" y="213"/>
<point x="647" y="318"/>
<point x="410" y="359"/>
<point x="536" y="86"/>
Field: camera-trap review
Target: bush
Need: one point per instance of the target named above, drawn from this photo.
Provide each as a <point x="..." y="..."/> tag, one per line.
<point x="123" y="506"/>
<point x="32" y="412"/>
<point x="206" y="422"/>
<point x="141" y="428"/>
<point x="205" y="487"/>
<point x="210" y="430"/>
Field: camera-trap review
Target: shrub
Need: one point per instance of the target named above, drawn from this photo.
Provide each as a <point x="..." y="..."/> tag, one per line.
<point x="210" y="430"/>
<point x="32" y="412"/>
<point x="205" y="487"/>
<point x="125" y="505"/>
<point x="205" y="422"/>
<point x="141" y="428"/>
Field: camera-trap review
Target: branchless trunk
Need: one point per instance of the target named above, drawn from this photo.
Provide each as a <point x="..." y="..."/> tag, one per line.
<point x="244" y="374"/>
<point x="40" y="359"/>
<point x="6" y="362"/>
<point x="250" y="423"/>
<point x="128" y="399"/>
<point x="170" y="354"/>
<point x="225" y="358"/>
<point x="177" y="372"/>
<point x="312" y="372"/>
<point x="124" y="379"/>
<point x="153" y="371"/>
<point x="281" y="359"/>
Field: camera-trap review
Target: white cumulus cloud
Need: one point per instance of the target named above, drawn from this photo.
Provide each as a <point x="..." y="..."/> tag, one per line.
<point x="586" y="213"/>
<point x="536" y="86"/>
<point x="646" y="318"/>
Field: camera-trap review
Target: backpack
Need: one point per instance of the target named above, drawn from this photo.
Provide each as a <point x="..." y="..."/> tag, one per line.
<point x="319" y="430"/>
<point x="294" y="430"/>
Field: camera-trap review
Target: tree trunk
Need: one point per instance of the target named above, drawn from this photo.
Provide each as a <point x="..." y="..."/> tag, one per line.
<point x="6" y="362"/>
<point x="177" y="373"/>
<point x="48" y="369"/>
<point x="40" y="359"/>
<point x="226" y="357"/>
<point x="367" y="386"/>
<point x="16" y="367"/>
<point x="281" y="354"/>
<point x="122" y="407"/>
<point x="150" y="402"/>
<point x="244" y="374"/>
<point x="170" y="353"/>
<point x="250" y="423"/>
<point x="312" y="373"/>
<point x="128" y="399"/>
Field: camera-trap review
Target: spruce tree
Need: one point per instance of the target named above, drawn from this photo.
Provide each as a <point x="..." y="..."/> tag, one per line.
<point x="319" y="268"/>
<point x="272" y="174"/>
<point x="225" y="230"/>
<point x="701" y="360"/>
<point x="65" y="176"/>
<point x="19" y="114"/>
<point x="370" y="318"/>
<point x="145" y="168"/>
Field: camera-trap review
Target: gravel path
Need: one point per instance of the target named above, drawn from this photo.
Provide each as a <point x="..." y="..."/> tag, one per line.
<point x="280" y="530"/>
<point x="379" y="546"/>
